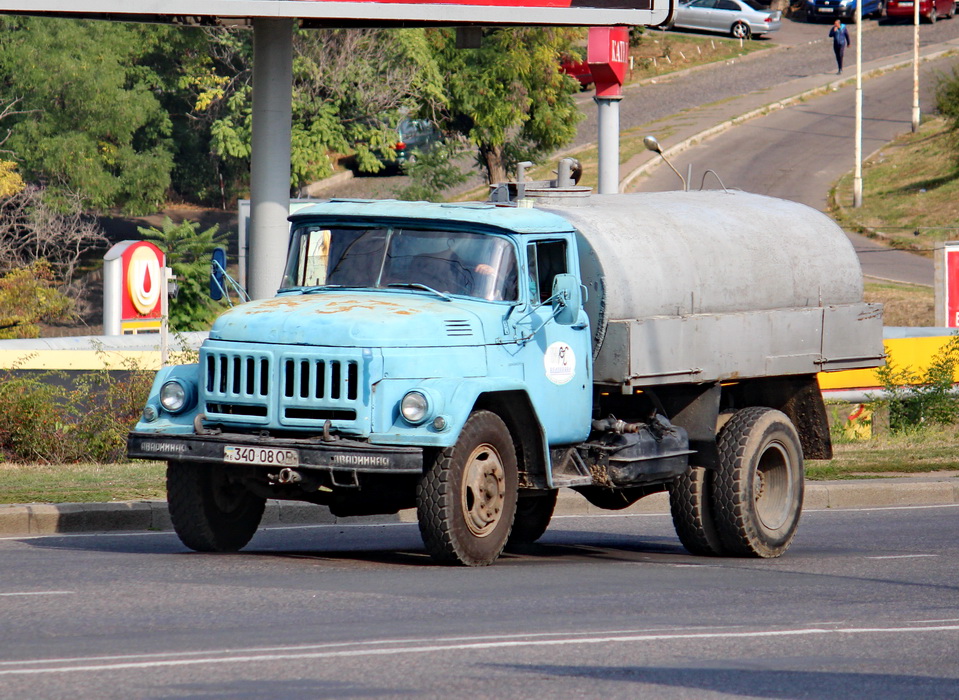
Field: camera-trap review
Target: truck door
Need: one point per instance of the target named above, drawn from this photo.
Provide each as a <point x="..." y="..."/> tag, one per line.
<point x="558" y="358"/>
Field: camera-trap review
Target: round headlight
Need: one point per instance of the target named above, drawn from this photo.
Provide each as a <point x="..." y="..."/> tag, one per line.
<point x="174" y="396"/>
<point x="414" y="407"/>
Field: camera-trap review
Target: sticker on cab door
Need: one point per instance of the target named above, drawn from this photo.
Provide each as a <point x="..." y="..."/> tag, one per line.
<point x="560" y="363"/>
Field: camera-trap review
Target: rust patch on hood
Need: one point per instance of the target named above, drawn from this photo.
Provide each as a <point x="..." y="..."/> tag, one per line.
<point x="332" y="306"/>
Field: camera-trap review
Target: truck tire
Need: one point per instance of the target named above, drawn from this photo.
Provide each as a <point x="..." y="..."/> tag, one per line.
<point x="758" y="488"/>
<point x="533" y="514"/>
<point x="466" y="500"/>
<point x="210" y="513"/>
<point x="691" y="504"/>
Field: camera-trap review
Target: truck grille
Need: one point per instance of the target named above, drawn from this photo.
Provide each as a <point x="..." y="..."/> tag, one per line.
<point x="285" y="389"/>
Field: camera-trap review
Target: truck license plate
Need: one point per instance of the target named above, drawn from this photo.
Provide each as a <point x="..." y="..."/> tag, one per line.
<point x="270" y="456"/>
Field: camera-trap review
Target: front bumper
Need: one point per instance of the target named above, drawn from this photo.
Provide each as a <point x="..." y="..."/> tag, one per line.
<point x="336" y="456"/>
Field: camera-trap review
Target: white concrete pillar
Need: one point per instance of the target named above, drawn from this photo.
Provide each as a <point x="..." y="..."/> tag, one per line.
<point x="270" y="166"/>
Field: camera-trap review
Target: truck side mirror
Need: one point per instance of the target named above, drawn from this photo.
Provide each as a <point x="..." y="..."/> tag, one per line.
<point x="567" y="299"/>
<point x="217" y="274"/>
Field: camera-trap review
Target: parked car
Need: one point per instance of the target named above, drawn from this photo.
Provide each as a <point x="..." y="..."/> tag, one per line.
<point x="578" y="69"/>
<point x="415" y="136"/>
<point x="739" y="18"/>
<point x="929" y="10"/>
<point x="841" y="9"/>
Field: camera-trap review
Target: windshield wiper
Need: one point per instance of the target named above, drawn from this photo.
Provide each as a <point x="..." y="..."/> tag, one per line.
<point x="417" y="285"/>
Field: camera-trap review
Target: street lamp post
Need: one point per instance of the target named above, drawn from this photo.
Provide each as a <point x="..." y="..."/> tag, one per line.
<point x="857" y="177"/>
<point x="915" y="66"/>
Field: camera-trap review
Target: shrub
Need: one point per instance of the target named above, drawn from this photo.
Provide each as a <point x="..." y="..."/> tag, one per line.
<point x="916" y="398"/>
<point x="188" y="253"/>
<point x="28" y="295"/>
<point x="49" y="417"/>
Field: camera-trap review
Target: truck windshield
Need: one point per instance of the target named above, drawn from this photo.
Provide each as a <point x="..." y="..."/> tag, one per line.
<point x="453" y="262"/>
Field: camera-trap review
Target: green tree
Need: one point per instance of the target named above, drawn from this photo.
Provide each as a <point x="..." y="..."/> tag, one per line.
<point x="89" y="122"/>
<point x="350" y="88"/>
<point x="188" y="252"/>
<point x="509" y="97"/>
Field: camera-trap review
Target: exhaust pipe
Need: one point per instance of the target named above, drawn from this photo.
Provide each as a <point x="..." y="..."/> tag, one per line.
<point x="289" y="476"/>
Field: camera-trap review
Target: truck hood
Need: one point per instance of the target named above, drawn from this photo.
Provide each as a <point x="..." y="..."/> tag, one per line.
<point x="356" y="319"/>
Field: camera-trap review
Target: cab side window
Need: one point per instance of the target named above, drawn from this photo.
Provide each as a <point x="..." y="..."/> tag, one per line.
<point x="546" y="260"/>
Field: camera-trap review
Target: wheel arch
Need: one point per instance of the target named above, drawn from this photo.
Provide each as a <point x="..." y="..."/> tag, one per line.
<point x="799" y="397"/>
<point x="516" y="410"/>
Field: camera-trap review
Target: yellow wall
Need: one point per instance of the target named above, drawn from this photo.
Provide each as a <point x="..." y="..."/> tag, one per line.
<point x="914" y="353"/>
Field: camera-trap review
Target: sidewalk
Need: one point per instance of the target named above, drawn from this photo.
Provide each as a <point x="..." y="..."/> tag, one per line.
<point x="144" y="516"/>
<point x="699" y="124"/>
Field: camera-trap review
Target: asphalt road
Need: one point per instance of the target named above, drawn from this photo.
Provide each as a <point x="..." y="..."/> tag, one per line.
<point x="863" y="605"/>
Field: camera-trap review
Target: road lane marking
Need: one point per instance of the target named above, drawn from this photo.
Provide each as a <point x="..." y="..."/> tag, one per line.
<point x="437" y="646"/>
<point x="16" y="593"/>
<point x="903" y="556"/>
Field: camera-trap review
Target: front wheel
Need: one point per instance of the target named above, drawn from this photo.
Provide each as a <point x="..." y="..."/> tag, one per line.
<point x="740" y="30"/>
<point x="211" y="511"/>
<point x="758" y="488"/>
<point x="466" y="500"/>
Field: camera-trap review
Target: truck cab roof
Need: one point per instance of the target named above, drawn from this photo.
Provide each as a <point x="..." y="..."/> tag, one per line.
<point x="506" y="217"/>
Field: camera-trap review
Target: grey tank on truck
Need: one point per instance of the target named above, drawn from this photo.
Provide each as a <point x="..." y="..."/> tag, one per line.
<point x="469" y="360"/>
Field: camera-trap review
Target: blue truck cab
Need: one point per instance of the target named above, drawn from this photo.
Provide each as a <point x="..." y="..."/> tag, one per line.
<point x="469" y="360"/>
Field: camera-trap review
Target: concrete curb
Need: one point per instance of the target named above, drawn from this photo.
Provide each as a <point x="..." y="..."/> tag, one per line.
<point x="933" y="52"/>
<point x="144" y="516"/>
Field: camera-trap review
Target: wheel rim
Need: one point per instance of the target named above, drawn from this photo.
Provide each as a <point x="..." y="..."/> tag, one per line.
<point x="772" y="487"/>
<point x="739" y="31"/>
<point x="227" y="497"/>
<point x="484" y="490"/>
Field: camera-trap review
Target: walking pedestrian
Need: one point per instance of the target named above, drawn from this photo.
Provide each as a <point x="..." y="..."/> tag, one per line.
<point x="840" y="40"/>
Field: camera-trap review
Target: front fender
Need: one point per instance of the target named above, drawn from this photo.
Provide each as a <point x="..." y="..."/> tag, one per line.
<point x="455" y="399"/>
<point x="166" y="422"/>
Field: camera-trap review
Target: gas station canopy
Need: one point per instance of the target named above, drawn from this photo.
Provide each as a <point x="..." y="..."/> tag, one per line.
<point x="352" y="13"/>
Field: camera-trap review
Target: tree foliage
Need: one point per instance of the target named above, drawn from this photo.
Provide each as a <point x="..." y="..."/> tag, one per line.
<point x="89" y="121"/>
<point x="188" y="252"/>
<point x="509" y="97"/>
<point x="29" y="295"/>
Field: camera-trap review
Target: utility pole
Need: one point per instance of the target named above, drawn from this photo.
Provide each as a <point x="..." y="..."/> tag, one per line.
<point x="857" y="177"/>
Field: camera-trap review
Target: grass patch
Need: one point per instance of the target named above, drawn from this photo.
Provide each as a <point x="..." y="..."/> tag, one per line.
<point x="910" y="191"/>
<point x="82" y="483"/>
<point x="919" y="451"/>
<point x="905" y="304"/>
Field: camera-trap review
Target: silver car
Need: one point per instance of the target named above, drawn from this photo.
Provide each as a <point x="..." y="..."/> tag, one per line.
<point x="739" y="18"/>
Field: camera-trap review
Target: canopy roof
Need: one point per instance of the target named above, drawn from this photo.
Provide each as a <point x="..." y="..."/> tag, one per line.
<point x="378" y="12"/>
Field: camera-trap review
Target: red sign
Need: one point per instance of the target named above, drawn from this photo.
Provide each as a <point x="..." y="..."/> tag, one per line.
<point x="142" y="264"/>
<point x="952" y="286"/>
<point x="607" y="53"/>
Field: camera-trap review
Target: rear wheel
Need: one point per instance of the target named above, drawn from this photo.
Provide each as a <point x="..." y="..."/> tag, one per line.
<point x="211" y="511"/>
<point x="691" y="504"/>
<point x="533" y="514"/>
<point x="466" y="500"/>
<point x="933" y="15"/>
<point x="740" y="30"/>
<point x="758" y="488"/>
